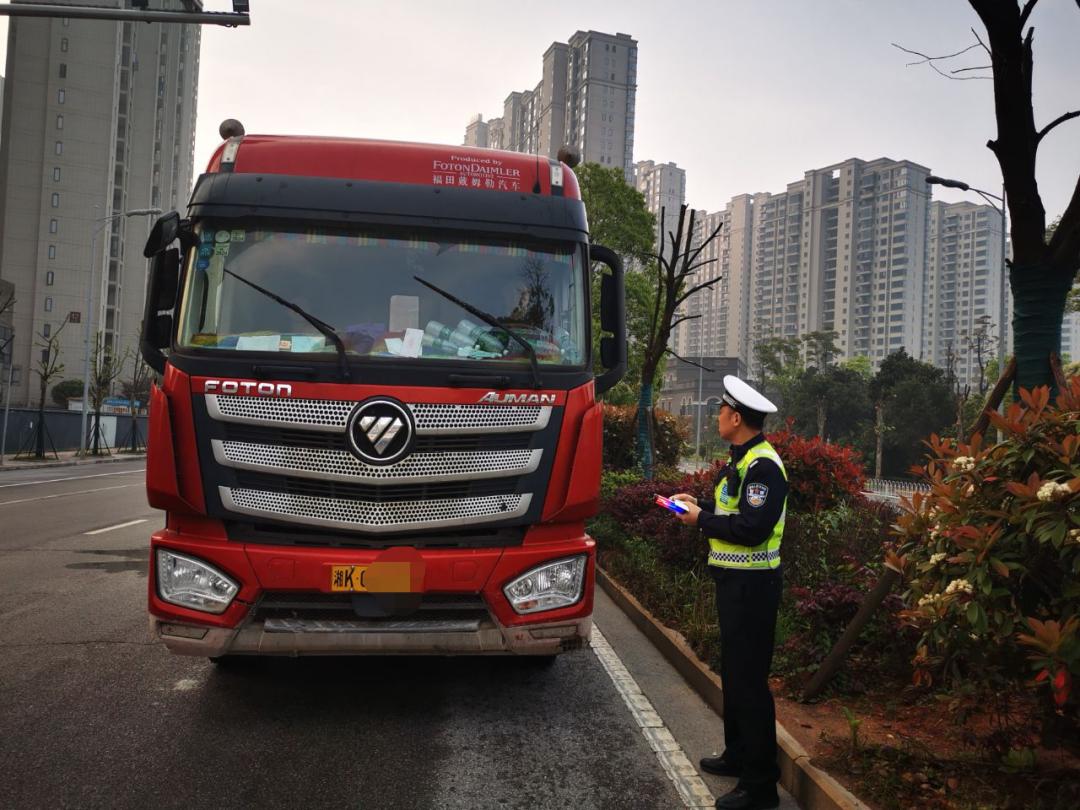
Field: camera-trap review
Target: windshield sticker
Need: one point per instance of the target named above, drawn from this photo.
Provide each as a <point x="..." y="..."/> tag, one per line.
<point x="222" y="236"/>
<point x="221" y="250"/>
<point x="206" y="236"/>
<point x="237" y="235"/>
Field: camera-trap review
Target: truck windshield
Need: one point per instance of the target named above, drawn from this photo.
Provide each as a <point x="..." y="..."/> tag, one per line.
<point x="362" y="283"/>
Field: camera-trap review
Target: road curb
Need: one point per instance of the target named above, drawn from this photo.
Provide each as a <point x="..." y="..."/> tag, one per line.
<point x="11" y="466"/>
<point x="811" y="787"/>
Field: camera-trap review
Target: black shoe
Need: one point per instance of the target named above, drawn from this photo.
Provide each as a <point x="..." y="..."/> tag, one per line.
<point x="743" y="799"/>
<point x="719" y="766"/>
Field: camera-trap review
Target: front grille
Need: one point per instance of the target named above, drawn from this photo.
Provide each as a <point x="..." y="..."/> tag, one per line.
<point x="415" y="491"/>
<point x="285" y="462"/>
<point x="332" y="415"/>
<point x="397" y="516"/>
<point x="341" y="465"/>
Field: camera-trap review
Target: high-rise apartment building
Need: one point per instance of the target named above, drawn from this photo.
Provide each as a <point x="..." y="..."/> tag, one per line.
<point x="1070" y="337"/>
<point x="664" y="187"/>
<point x="98" y="120"/>
<point x="965" y="286"/>
<point x="722" y="328"/>
<point x="585" y="99"/>
<point x="844" y="250"/>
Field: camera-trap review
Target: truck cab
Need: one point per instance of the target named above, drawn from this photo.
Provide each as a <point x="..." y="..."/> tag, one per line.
<point x="377" y="428"/>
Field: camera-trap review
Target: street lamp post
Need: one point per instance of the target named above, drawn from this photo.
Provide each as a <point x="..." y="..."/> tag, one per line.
<point x="933" y="180"/>
<point x="103" y="221"/>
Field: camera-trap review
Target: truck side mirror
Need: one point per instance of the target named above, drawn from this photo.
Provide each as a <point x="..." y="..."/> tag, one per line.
<point x="161" y="293"/>
<point x="163" y="234"/>
<point x="612" y="318"/>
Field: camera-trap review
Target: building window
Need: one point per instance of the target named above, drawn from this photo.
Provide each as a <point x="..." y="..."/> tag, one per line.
<point x="46" y="331"/>
<point x="60" y="95"/>
<point x="50" y="277"/>
<point x="52" y="251"/>
<point x="63" y="70"/>
<point x="63" y="44"/>
<point x="55" y="201"/>
<point x="48" y="304"/>
<point x="56" y="174"/>
<point x="54" y="226"/>
<point x="59" y="147"/>
<point x="60" y="121"/>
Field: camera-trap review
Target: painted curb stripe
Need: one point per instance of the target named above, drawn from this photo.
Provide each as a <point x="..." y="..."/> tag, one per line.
<point x="692" y="790"/>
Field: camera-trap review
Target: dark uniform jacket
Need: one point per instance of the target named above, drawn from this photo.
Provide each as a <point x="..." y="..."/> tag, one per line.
<point x="753" y="524"/>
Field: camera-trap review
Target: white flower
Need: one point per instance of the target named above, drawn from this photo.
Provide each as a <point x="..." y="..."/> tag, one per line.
<point x="936" y="558"/>
<point x="964" y="463"/>
<point x="1053" y="491"/>
<point x="959" y="586"/>
<point x="1074" y="535"/>
<point x="930" y="599"/>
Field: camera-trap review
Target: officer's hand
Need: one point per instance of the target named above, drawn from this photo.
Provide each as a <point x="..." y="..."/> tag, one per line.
<point x="685" y="497"/>
<point x="689" y="517"/>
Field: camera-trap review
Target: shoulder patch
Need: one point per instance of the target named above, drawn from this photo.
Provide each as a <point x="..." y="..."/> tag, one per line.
<point x="756" y="494"/>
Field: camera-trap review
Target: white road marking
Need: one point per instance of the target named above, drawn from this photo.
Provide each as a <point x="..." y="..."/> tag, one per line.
<point x="185" y="685"/>
<point x="71" y="478"/>
<point x="67" y="494"/>
<point x="692" y="789"/>
<point x="118" y="526"/>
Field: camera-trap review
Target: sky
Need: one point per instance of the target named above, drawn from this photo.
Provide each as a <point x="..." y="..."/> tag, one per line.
<point x="745" y="96"/>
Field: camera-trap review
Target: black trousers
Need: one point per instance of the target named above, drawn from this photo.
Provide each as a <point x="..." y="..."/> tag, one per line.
<point x="746" y="605"/>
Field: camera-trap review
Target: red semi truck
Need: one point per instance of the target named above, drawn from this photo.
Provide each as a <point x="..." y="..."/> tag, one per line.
<point x="377" y="428"/>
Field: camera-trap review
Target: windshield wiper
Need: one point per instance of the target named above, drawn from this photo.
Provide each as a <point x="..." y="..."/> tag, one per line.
<point x="492" y="321"/>
<point x="326" y="329"/>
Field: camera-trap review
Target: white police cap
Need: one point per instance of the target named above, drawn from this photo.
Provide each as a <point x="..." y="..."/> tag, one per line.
<point x="738" y="394"/>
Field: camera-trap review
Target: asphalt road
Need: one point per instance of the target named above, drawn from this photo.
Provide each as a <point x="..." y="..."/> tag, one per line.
<point x="95" y="714"/>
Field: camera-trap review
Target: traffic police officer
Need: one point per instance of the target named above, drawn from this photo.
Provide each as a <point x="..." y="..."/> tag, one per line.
<point x="744" y="525"/>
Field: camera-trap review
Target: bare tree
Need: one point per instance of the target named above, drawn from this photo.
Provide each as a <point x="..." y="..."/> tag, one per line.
<point x="105" y="367"/>
<point x="49" y="368"/>
<point x="136" y="389"/>
<point x="5" y="343"/>
<point x="676" y="282"/>
<point x="1043" y="267"/>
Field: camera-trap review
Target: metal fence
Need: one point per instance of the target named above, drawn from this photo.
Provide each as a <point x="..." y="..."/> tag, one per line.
<point x="893" y="490"/>
<point x="62" y="430"/>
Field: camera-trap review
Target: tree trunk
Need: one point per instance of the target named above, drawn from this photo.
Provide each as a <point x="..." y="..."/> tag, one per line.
<point x="889" y="578"/>
<point x="879" y="431"/>
<point x="644" y="430"/>
<point x="821" y="419"/>
<point x="1039" y="295"/>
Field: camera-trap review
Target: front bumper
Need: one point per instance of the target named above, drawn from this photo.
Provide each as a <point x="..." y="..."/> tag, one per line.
<point x="295" y="637"/>
<point x="284" y="606"/>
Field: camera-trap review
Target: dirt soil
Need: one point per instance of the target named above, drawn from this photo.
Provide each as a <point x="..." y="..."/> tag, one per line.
<point x="931" y="760"/>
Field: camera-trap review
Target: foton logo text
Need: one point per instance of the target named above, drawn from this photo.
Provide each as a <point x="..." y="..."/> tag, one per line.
<point x="264" y="389"/>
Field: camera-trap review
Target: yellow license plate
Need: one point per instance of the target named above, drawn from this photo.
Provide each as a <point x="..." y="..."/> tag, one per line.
<point x="379" y="577"/>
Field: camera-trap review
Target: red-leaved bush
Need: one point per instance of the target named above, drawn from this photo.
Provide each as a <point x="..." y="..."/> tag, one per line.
<point x="821" y="475"/>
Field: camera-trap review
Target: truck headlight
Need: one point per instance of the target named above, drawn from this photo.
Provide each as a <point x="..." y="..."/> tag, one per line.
<point x="191" y="583"/>
<point x="548" y="586"/>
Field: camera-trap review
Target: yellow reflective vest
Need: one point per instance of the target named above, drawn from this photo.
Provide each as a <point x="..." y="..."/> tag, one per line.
<point x="732" y="555"/>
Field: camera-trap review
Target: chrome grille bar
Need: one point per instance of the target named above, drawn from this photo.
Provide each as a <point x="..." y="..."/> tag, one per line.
<point x="339" y="465"/>
<point x="331" y="416"/>
<point x="375" y="517"/>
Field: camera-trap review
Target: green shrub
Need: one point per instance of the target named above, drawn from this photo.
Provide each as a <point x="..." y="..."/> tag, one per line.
<point x="620" y="438"/>
<point x="993" y="554"/>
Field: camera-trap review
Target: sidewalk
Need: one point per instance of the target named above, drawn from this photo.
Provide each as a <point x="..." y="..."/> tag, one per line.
<point x="65" y="458"/>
